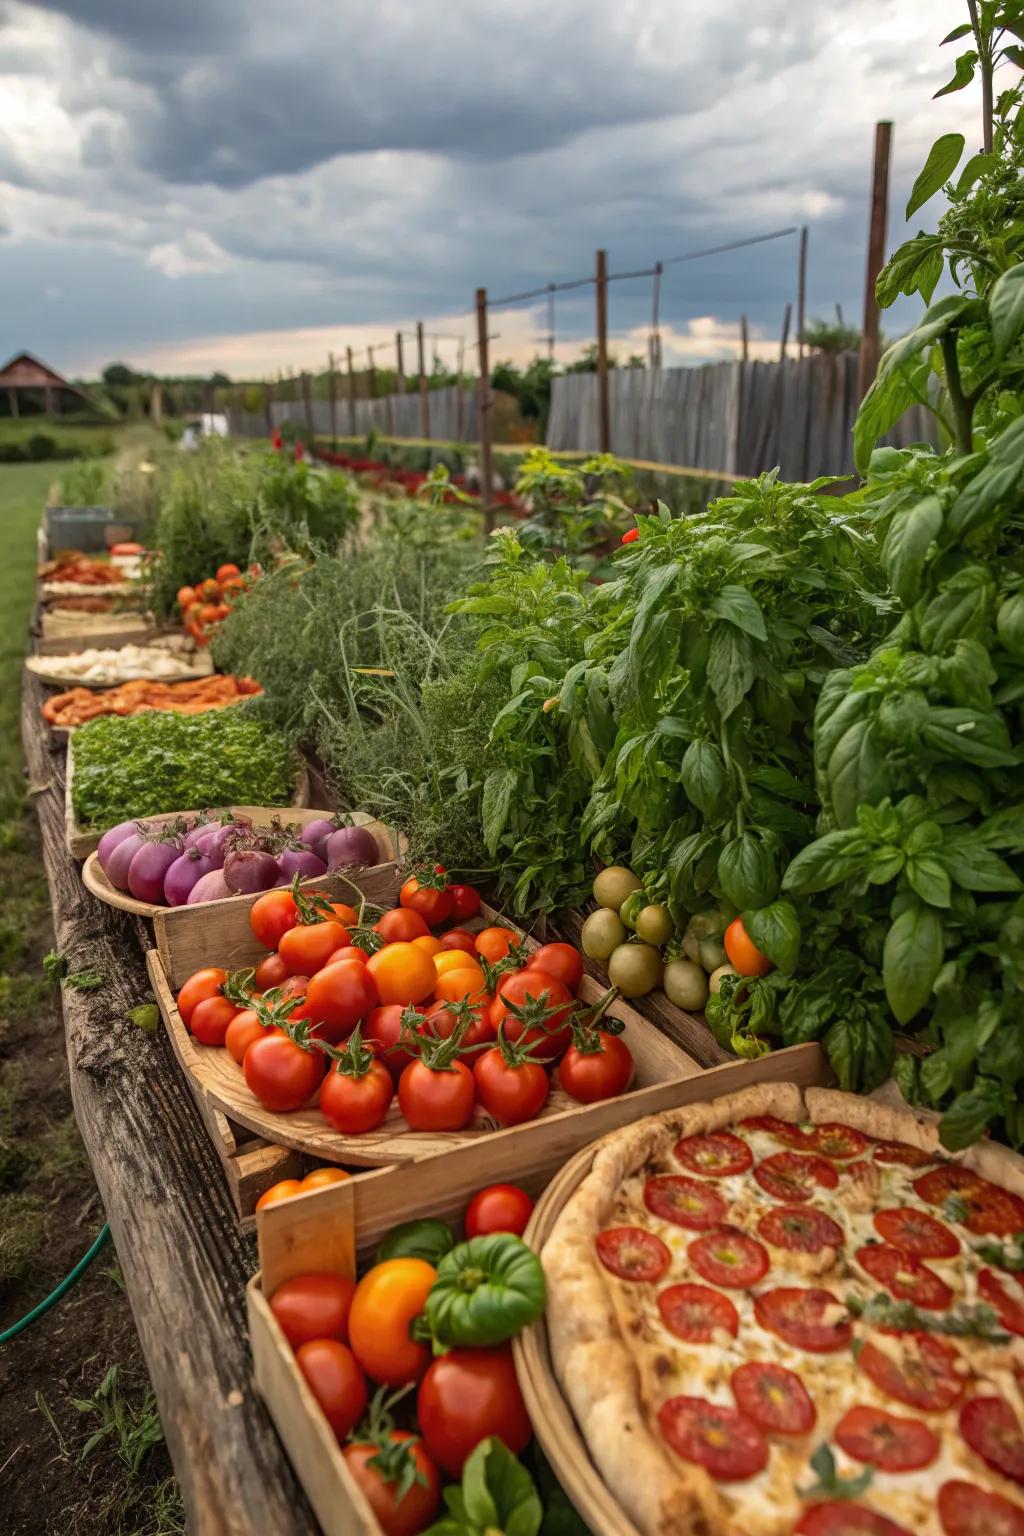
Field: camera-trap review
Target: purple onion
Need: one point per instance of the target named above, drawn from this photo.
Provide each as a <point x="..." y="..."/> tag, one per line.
<point x="149" y="866"/>
<point x="302" y="862"/>
<point x="247" y="870"/>
<point x="186" y="871"/>
<point x="120" y="860"/>
<point x="201" y="828"/>
<point x="316" y="833"/>
<point x="209" y="887"/>
<point x="351" y="845"/>
<point x="110" y="840"/>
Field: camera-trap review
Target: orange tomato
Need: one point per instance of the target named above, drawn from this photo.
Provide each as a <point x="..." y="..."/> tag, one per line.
<point x="200" y="985"/>
<point x="401" y="926"/>
<point x="428" y="944"/>
<point x="403" y="973"/>
<point x="495" y="943"/>
<point x="318" y="1178"/>
<point x="209" y="614"/>
<point x="226" y="571"/>
<point x="209" y="591"/>
<point x="466" y="981"/>
<point x="454" y="960"/>
<point x="743" y="953"/>
<point x="186" y="597"/>
<point x="387" y="1299"/>
<point x="284" y="1189"/>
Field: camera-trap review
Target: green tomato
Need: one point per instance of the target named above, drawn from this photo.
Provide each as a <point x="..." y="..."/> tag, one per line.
<point x="427" y="1239"/>
<point x="654" y="924"/>
<point x="487" y="1290"/>
<point x="635" y="969"/>
<point x="613" y="885"/>
<point x="685" y="985"/>
<point x="717" y="977"/>
<point x="631" y="908"/>
<point x="602" y="934"/>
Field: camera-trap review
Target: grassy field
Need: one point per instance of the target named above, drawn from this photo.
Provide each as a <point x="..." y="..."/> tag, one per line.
<point x="77" y="1373"/>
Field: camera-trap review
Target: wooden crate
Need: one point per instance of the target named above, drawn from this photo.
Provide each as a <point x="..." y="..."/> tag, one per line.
<point x="338" y="1228"/>
<point x="220" y="935"/>
<point x="104" y="634"/>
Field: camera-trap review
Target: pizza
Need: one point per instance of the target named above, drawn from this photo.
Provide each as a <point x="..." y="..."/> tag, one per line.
<point x="789" y="1311"/>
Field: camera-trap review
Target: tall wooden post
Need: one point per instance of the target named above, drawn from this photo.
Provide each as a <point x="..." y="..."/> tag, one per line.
<point x="371" y="370"/>
<point x="551" y="322"/>
<point x="876" y="256"/>
<point x="654" y="348"/>
<point x="744" y="338"/>
<point x="460" y="398"/>
<point x="486" y="473"/>
<point x="268" y="405"/>
<point x="399" y="362"/>
<point x="604" y="419"/>
<point x="785" y="332"/>
<point x="424" y="395"/>
<point x="801" y="292"/>
<point x="351" y="393"/>
<point x="332" y="396"/>
<point x="307" y="401"/>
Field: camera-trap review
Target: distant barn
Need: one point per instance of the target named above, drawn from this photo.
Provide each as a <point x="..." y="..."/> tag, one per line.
<point x="30" y="388"/>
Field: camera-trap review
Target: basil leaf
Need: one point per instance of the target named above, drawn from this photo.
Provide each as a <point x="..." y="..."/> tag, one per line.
<point x="499" y="790"/>
<point x="703" y="777"/>
<point x="775" y="929"/>
<point x="967" y="861"/>
<point x="857" y="772"/>
<point x="730" y="667"/>
<point x="741" y="608"/>
<point x="970" y="1112"/>
<point x="860" y="1050"/>
<point x="911" y="959"/>
<point x="497" y="1495"/>
<point x="829" y="861"/>
<point x="929" y="879"/>
<point x="911" y="533"/>
<point x="1006" y="308"/>
<point x="747" y="872"/>
<point x="943" y="159"/>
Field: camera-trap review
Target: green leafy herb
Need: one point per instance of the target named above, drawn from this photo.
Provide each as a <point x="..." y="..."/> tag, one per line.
<point x="830" y="1485"/>
<point x="978" y="1322"/>
<point x="497" y="1495"/>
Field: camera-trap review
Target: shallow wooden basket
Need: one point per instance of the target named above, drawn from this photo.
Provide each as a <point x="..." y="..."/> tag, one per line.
<point x="338" y="1228"/>
<point x="220" y="935"/>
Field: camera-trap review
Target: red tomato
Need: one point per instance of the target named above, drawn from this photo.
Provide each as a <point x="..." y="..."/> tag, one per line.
<point x="904" y="1277"/>
<point x="387" y="1299"/>
<point x="442" y="1020"/>
<point x="495" y="943"/>
<point x="842" y="1517"/>
<point x="383" y="1029"/>
<point x="630" y="536"/>
<point x="744" y="955"/>
<point x="834" y="1140"/>
<point x="539" y="997"/>
<point x="305" y="947"/>
<point x="801" y="1229"/>
<point x="927" y="1377"/>
<point x="512" y="1093"/>
<point x="719" y="1439"/>
<point x="589" y="1076"/>
<point x="200" y="985"/>
<point x="270" y="972"/>
<point x="794" y="1176"/>
<point x="244" y="1028"/>
<point x="338" y="997"/>
<point x="729" y="1258"/>
<point x="280" y="1073"/>
<point x="346" y="951"/>
<point x="991" y="1211"/>
<point x="336" y="1381"/>
<point x="914" y="1231"/>
<point x="774" y="1398"/>
<point x="716" y="1155"/>
<point x="561" y="961"/>
<point x="271" y="915"/>
<point x="224" y="571"/>
<point x="356" y="1104"/>
<point x="804" y="1318"/>
<point x="458" y="938"/>
<point x="313" y="1306"/>
<point x="966" y="1510"/>
<point x="696" y="1313"/>
<point x="437" y="1101"/>
<point x="401" y="927"/>
<point x="633" y="1253"/>
<point x="416" y="1509"/>
<point x="210" y="1020"/>
<point x="467" y="1395"/>
<point x="434" y="905"/>
<point x="684" y="1202"/>
<point x="885" y="1441"/>
<point x="498" y="1208"/>
<point x="465" y="901"/>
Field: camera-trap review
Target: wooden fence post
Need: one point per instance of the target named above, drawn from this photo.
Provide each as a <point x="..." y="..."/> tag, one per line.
<point x="424" y="396"/>
<point x="604" y="420"/>
<point x="654" y="344"/>
<point x="268" y="406"/>
<point x="486" y="473"/>
<point x="876" y="255"/>
<point x="307" y="400"/>
<point x="400" y="362"/>
<point x="460" y="398"/>
<point x="351" y="393"/>
<point x="785" y="332"/>
<point x="332" y="395"/>
<point x="744" y="338"/>
<point x="801" y="291"/>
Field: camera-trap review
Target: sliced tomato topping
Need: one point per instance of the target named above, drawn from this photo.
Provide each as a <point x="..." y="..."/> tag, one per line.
<point x="719" y="1439"/>
<point x="632" y="1253"/>
<point x="800" y="1228"/>
<point x="838" y="1517"/>
<point x="794" y="1176"/>
<point x="776" y="1399"/>
<point x="905" y="1277"/>
<point x="716" y="1155"/>
<point x="784" y="1130"/>
<point x="832" y="1139"/>
<point x="925" y="1375"/>
<point x="995" y="1290"/>
<point x="889" y="1443"/>
<point x="903" y="1153"/>
<point x="993" y="1432"/>
<point x="987" y="1209"/>
<point x="969" y="1511"/>
<point x="914" y="1231"/>
<point x="695" y="1313"/>
<point x="811" y="1319"/>
<point x="729" y="1257"/>
<point x="684" y="1202"/>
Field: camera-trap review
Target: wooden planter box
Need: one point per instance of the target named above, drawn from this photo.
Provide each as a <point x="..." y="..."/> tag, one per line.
<point x="338" y="1228"/>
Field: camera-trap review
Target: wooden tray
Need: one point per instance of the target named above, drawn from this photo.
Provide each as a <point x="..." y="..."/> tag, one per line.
<point x="336" y="1228"/>
<point x="221" y="1079"/>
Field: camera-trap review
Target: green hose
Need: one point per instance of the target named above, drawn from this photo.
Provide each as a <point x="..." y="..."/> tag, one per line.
<point x="55" y="1295"/>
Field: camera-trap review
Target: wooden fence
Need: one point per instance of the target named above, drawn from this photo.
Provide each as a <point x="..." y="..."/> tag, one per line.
<point x="452" y="416"/>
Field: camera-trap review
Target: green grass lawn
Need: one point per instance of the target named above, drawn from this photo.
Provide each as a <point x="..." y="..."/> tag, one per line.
<point x="23" y="490"/>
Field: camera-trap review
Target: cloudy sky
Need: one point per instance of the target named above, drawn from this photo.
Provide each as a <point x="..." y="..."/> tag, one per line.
<point x="244" y="185"/>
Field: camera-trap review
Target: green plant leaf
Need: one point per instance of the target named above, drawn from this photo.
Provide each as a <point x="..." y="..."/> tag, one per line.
<point x="858" y="772"/>
<point x="976" y="166"/>
<point x="702" y="775"/>
<point x="860" y="1051"/>
<point x="915" y="268"/>
<point x="775" y="929"/>
<point x="499" y="789"/>
<point x="995" y="484"/>
<point x="828" y="861"/>
<point x="962" y="76"/>
<point x="746" y="871"/>
<point x="911" y="960"/>
<point x="943" y="159"/>
<point x="911" y="533"/>
<point x="741" y="608"/>
<point x="929" y="879"/>
<point x="1006" y="308"/>
<point x="963" y="30"/>
<point x="970" y="1112"/>
<point x="967" y="861"/>
<point x="730" y="667"/>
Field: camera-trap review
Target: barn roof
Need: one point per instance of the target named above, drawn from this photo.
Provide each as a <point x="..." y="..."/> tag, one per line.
<point x="24" y="371"/>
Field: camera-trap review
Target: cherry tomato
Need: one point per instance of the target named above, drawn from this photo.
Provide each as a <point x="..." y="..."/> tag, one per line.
<point x="519" y="988"/>
<point x="630" y="536"/>
<point x="319" y="1178"/>
<point x="284" y="1189"/>
<point x="280" y="1073"/>
<point x="589" y="1076"/>
<point x="465" y="1396"/>
<point x="335" y="1379"/>
<point x="338" y="997"/>
<point x="356" y="1104"/>
<point x="743" y="953"/>
<point x="271" y="915"/>
<point x="561" y="961"/>
<point x="416" y="1509"/>
<point x="403" y="973"/>
<point x="386" y="1300"/>
<point x="495" y="943"/>
<point x="200" y="985"/>
<point x="224" y="571"/>
<point x="465" y="901"/>
<point x="512" y="1094"/>
<point x="433" y="905"/>
<point x="271" y="972"/>
<point x="499" y="1208"/>
<point x="441" y="1021"/>
<point x="383" y="1028"/>
<point x="437" y="1101"/>
<point x="314" y="1306"/>
<point x="210" y="1019"/>
<point x="244" y="1028"/>
<point x="186" y="597"/>
<point x="401" y="927"/>
<point x="305" y="947"/>
<point x="458" y="938"/>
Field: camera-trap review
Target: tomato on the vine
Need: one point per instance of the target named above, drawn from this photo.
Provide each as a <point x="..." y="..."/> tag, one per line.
<point x="271" y="915"/>
<point x="354" y="1105"/>
<point x="442" y="1020"/>
<point x="382" y="1031"/>
<point x="562" y="961"/>
<point x="336" y="1380"/>
<point x="465" y="1396"/>
<point x="210" y="1019"/>
<point x="280" y="1073"/>
<point x="270" y="972"/>
<point x="498" y="1208"/>
<point x="403" y="973"/>
<point x="601" y="1073"/>
<point x="338" y="997"/>
<point x="510" y="1086"/>
<point x="434" y="1099"/>
<point x="459" y="938"/>
<point x="495" y="943"/>
<point x="313" y="1306"/>
<point x="465" y="901"/>
<point x="244" y="1028"/>
<point x="200" y="985"/>
<point x="536" y="1005"/>
<point x="367" y="1462"/>
<point x="461" y="982"/>
<point x="306" y="947"/>
<point x="743" y="953"/>
<point x="401" y="926"/>
<point x="429" y="895"/>
<point x="387" y="1299"/>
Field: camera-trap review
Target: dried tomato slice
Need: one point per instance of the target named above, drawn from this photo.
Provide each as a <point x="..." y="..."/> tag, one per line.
<point x="914" y="1231"/>
<point x="800" y="1228"/>
<point x="993" y="1432"/>
<point x="633" y="1253"/>
<point x="716" y="1155"/>
<point x="969" y="1511"/>
<point x="905" y="1277"/>
<point x="924" y="1377"/>
<point x="838" y="1517"/>
<point x="889" y="1443"/>
<point x="719" y="1439"/>
<point x="989" y="1210"/>
<point x="795" y="1176"/>
<point x="775" y="1398"/>
<point x="729" y="1257"/>
<point x="993" y="1289"/>
<point x="798" y="1317"/>
<point x="833" y="1139"/>
<point x="684" y="1202"/>
<point x="901" y="1152"/>
<point x="695" y="1313"/>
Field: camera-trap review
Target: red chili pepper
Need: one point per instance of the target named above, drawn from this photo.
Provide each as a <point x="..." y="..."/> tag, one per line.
<point x="631" y="537"/>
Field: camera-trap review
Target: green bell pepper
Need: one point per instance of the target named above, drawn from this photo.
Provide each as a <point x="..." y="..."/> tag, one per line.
<point x="428" y="1239"/>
